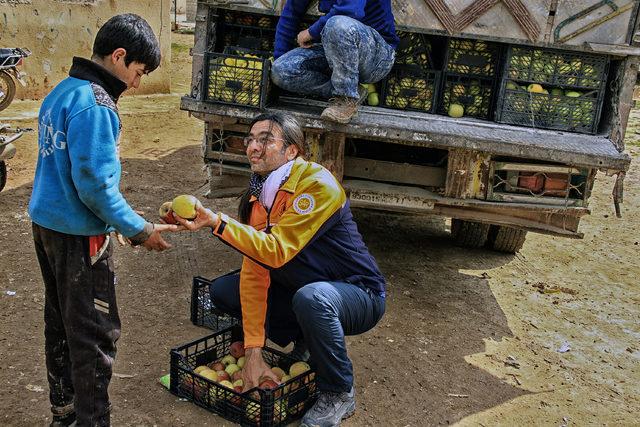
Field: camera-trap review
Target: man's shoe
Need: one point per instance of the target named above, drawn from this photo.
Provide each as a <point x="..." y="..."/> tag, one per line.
<point x="342" y="108"/>
<point x="330" y="409"/>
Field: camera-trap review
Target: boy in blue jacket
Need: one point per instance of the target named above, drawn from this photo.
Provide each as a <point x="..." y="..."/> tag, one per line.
<point x="354" y="42"/>
<point x="75" y="204"/>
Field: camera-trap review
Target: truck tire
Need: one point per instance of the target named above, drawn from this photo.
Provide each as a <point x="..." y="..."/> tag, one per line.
<point x="7" y="90"/>
<point x="3" y="175"/>
<point x="469" y="234"/>
<point x="506" y="239"/>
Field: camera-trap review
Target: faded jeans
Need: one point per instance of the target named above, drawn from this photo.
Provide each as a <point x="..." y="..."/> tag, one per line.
<point x="321" y="312"/>
<point x="350" y="53"/>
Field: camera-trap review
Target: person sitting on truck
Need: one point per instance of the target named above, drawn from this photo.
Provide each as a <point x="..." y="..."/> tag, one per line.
<point x="354" y="42"/>
<point x="307" y="277"/>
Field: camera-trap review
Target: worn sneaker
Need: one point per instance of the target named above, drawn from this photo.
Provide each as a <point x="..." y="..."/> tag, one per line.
<point x="342" y="108"/>
<point x="67" y="420"/>
<point x="330" y="409"/>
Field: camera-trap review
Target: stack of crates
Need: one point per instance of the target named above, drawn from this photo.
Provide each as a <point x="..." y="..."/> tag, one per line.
<point x="470" y="78"/>
<point x="553" y="89"/>
<point x="238" y="71"/>
<point x="413" y="83"/>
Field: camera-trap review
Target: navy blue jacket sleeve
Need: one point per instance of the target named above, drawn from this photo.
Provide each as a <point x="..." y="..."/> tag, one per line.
<point x="288" y="26"/>
<point x="351" y="8"/>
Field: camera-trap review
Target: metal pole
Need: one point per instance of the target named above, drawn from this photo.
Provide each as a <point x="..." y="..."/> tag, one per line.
<point x="175" y="15"/>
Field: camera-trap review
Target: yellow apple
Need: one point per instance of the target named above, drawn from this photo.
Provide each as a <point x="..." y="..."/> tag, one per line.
<point x="456" y="111"/>
<point x="185" y="206"/>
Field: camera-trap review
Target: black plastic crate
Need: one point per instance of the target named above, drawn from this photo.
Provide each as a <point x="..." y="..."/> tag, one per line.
<point x="556" y="68"/>
<point x="237" y="79"/>
<point x="556" y="109"/>
<point x="203" y="312"/>
<point x="475" y="95"/>
<point x="472" y="58"/>
<point x="414" y="48"/>
<point x="255" y="407"/>
<point x="410" y="87"/>
<point x="249" y="30"/>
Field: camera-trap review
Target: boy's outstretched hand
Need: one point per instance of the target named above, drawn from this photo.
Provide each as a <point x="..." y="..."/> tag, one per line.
<point x="155" y="242"/>
<point x="204" y="218"/>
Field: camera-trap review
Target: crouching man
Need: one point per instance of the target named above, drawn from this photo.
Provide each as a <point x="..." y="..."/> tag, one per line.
<point x="307" y="276"/>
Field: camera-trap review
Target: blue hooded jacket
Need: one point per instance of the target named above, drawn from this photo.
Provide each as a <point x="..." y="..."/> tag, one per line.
<point x="76" y="188"/>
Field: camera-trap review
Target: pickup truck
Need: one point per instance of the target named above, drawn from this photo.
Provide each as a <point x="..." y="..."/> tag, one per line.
<point x="498" y="114"/>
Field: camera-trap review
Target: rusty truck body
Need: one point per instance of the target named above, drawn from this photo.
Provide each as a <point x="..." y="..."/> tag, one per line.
<point x="546" y="87"/>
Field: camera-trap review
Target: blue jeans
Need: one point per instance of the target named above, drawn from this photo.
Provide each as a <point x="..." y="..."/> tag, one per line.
<point x="350" y="53"/>
<point x="321" y="312"/>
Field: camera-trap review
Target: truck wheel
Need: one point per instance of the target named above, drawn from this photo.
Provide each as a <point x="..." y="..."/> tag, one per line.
<point x="3" y="175"/>
<point x="469" y="234"/>
<point x="7" y="90"/>
<point x="506" y="239"/>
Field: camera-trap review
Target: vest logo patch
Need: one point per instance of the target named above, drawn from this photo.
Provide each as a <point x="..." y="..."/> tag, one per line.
<point x="304" y="203"/>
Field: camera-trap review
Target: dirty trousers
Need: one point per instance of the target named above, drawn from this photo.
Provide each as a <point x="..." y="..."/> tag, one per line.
<point x="321" y="312"/>
<point x="350" y="53"/>
<point x="81" y="324"/>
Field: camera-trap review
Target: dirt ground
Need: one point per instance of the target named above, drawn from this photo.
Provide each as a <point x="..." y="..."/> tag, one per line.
<point x="468" y="336"/>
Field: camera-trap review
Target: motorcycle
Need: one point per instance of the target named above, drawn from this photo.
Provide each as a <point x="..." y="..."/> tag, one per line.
<point x="10" y="60"/>
<point x="7" y="149"/>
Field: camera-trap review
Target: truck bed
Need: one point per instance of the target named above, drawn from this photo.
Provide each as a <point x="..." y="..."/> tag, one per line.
<point x="429" y="130"/>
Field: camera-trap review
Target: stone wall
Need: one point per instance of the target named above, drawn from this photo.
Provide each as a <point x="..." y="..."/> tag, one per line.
<point x="57" y="30"/>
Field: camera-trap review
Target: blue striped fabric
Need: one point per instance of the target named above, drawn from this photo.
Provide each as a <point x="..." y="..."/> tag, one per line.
<point x="376" y="14"/>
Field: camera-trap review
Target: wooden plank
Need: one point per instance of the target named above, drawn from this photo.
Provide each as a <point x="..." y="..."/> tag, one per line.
<point x="534" y="168"/>
<point x="553" y="220"/>
<point x="332" y="153"/>
<point x="228" y="157"/>
<point x="465" y="174"/>
<point x="555" y="201"/>
<point x="625" y="101"/>
<point x="427" y="130"/>
<point x="615" y="49"/>
<point x="201" y="37"/>
<point x="402" y="173"/>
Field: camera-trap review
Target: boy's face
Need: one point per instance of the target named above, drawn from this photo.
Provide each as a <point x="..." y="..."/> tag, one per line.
<point x="130" y="74"/>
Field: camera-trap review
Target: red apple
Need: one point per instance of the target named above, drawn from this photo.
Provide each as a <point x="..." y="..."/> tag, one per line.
<point x="166" y="214"/>
<point x="223" y="376"/>
<point x="216" y="366"/>
<point x="237" y="375"/>
<point x="237" y="349"/>
<point x="267" y="383"/>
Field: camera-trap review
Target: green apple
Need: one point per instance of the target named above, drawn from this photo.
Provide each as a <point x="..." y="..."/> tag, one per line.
<point x="372" y="99"/>
<point x="572" y="94"/>
<point x="456" y="111"/>
<point x="240" y="362"/>
<point x="231" y="369"/>
<point x="228" y="360"/>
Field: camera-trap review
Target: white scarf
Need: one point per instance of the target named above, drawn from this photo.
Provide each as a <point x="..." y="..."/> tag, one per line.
<point x="273" y="183"/>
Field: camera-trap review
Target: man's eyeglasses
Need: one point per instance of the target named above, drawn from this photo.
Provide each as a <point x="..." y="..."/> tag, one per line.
<point x="262" y="141"/>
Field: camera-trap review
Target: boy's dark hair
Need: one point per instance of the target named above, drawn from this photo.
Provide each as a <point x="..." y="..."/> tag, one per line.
<point x="132" y="33"/>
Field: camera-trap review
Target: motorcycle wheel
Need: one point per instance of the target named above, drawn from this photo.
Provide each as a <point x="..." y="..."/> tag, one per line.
<point x="3" y="175"/>
<point x="7" y="90"/>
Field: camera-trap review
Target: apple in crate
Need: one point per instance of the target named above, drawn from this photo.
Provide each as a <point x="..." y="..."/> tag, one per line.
<point x="223" y="376"/>
<point x="228" y="360"/>
<point x="237" y="349"/>
<point x="216" y="366"/>
<point x="231" y="369"/>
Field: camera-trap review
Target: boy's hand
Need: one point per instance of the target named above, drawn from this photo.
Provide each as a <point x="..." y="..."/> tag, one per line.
<point x="305" y="39"/>
<point x="204" y="218"/>
<point x="155" y="242"/>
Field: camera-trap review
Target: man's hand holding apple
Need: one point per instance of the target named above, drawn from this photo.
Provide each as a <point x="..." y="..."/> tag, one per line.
<point x="204" y="218"/>
<point x="255" y="369"/>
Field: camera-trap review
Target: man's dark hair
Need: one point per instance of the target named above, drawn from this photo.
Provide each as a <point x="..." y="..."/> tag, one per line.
<point x="132" y="33"/>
